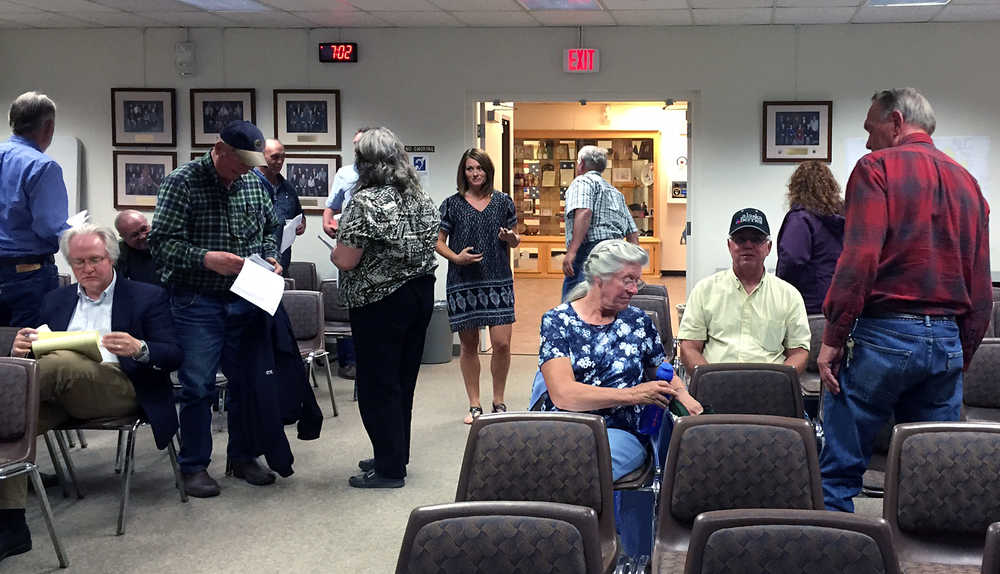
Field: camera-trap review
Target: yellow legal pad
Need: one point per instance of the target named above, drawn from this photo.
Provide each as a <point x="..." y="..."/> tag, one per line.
<point x="84" y="342"/>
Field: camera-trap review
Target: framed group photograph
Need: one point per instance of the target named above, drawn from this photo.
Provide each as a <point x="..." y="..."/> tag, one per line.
<point x="307" y="118"/>
<point x="138" y="175"/>
<point x="143" y="117"/>
<point x="211" y="110"/>
<point x="311" y="176"/>
<point x="797" y="131"/>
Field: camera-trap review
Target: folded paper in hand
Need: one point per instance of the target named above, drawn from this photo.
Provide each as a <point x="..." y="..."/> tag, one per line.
<point x="84" y="342"/>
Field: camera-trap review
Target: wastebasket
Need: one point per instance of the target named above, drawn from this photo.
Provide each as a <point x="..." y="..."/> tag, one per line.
<point x="437" y="345"/>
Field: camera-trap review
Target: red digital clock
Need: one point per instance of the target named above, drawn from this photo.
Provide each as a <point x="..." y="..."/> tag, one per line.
<point x="338" y="52"/>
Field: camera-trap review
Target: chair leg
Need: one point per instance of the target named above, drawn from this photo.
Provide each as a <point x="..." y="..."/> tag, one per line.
<point x="36" y="480"/>
<point x="57" y="464"/>
<point x="312" y="372"/>
<point x="70" y="467"/>
<point x="126" y="478"/>
<point x="80" y="437"/>
<point x="329" y="384"/>
<point x="178" y="479"/>
<point x="118" y="452"/>
<point x="69" y="439"/>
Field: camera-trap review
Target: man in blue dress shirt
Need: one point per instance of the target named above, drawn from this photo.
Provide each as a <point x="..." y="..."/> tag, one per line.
<point x="33" y="211"/>
<point x="284" y="196"/>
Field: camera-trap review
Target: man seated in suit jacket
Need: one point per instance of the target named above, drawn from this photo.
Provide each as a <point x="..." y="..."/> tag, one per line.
<point x="138" y="348"/>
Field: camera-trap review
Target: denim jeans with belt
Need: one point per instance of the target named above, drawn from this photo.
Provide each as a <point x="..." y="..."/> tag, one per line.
<point x="907" y="367"/>
<point x="21" y="294"/>
<point x="208" y="329"/>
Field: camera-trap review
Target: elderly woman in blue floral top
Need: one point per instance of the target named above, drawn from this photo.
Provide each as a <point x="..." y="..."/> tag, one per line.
<point x="595" y="347"/>
<point x="386" y="255"/>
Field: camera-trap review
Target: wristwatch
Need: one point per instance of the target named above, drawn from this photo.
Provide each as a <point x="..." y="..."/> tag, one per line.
<point x="143" y="355"/>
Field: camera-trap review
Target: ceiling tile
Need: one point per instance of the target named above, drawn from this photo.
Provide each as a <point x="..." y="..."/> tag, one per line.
<point x="874" y="14"/>
<point x="149" y="5"/>
<point x="12" y="8"/>
<point x="963" y="2"/>
<point x="267" y="19"/>
<point x="570" y="18"/>
<point x="730" y="4"/>
<point x="190" y="19"/>
<point x="731" y="17"/>
<point x="117" y="19"/>
<point x="392" y="5"/>
<point x="496" y="19"/>
<point x="969" y="13"/>
<point x="342" y="19"/>
<point x="68" y="6"/>
<point x="652" y="17"/>
<point x="409" y="19"/>
<point x="817" y="3"/>
<point x="311" y="5"/>
<point x="48" y="20"/>
<point x="7" y="24"/>
<point x="476" y="5"/>
<point x="645" y="4"/>
<point x="841" y="15"/>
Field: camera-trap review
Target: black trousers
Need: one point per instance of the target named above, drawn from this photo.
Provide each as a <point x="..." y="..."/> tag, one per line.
<point x="389" y="341"/>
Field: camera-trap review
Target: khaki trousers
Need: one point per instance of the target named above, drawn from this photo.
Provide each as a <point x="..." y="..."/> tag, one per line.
<point x="71" y="386"/>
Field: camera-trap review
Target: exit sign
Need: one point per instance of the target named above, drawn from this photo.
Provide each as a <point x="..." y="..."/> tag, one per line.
<point x="581" y="60"/>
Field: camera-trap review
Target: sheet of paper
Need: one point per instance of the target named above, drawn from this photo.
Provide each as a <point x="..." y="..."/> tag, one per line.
<point x="288" y="234"/>
<point x="261" y="261"/>
<point x="259" y="286"/>
<point x="78" y="219"/>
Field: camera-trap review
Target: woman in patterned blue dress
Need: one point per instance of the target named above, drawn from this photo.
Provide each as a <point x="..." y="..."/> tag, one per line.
<point x="595" y="346"/>
<point x="475" y="237"/>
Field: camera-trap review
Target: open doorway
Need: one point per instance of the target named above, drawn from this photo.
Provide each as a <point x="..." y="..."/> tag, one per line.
<point x="536" y="145"/>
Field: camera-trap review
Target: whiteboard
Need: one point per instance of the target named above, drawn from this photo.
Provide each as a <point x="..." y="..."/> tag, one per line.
<point x="66" y="151"/>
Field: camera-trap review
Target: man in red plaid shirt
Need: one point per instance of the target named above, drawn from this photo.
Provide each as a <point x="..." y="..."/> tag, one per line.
<point x="911" y="297"/>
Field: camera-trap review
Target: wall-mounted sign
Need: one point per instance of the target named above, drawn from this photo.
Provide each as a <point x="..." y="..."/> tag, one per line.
<point x="338" y="52"/>
<point x="581" y="60"/>
<point x="419" y="148"/>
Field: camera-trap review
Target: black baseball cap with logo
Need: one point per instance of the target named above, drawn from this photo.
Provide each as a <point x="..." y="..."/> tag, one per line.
<point x="751" y="218"/>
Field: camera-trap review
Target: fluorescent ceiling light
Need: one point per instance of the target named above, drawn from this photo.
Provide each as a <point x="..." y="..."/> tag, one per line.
<point x="228" y="5"/>
<point x="533" y="5"/>
<point x="901" y="3"/>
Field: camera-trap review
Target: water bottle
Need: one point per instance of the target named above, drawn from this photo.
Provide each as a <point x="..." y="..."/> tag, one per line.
<point x="652" y="415"/>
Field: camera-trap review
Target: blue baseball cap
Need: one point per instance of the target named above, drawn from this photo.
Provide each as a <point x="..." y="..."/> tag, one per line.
<point x="246" y="140"/>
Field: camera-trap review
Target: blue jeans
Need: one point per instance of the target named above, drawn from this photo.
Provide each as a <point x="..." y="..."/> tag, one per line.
<point x="21" y="294"/>
<point x="209" y="330"/>
<point x="581" y="255"/>
<point x="910" y="368"/>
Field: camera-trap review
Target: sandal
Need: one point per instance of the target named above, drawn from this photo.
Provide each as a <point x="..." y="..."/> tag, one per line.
<point x="474" y="413"/>
<point x="501" y="408"/>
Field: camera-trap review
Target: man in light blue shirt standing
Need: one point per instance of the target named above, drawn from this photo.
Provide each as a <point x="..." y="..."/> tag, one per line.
<point x="33" y="211"/>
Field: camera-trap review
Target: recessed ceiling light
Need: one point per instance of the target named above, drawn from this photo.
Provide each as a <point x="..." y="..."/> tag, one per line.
<point x="228" y="5"/>
<point x="534" y="5"/>
<point x="901" y="3"/>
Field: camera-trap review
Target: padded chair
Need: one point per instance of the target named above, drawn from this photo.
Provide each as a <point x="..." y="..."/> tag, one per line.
<point x="304" y="274"/>
<point x="7" y="335"/>
<point x="305" y="311"/>
<point x="126" y="426"/>
<point x="942" y="493"/>
<point x="289" y="284"/>
<point x="981" y="384"/>
<point x="543" y="457"/>
<point x="501" y="537"/>
<point x="656" y="289"/>
<point x="748" y="388"/>
<point x="991" y="554"/>
<point x="723" y="462"/>
<point x="337" y="318"/>
<point x="765" y="541"/>
<point x="18" y="427"/>
<point x="661" y="305"/>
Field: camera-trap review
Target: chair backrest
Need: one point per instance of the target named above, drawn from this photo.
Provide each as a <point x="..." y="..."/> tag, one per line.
<point x="991" y="553"/>
<point x="942" y="490"/>
<point x="544" y="457"/>
<point x="305" y="311"/>
<point x="996" y="293"/>
<point x="289" y="284"/>
<point x="501" y="537"/>
<point x="817" y="324"/>
<point x="981" y="381"/>
<point x="304" y="273"/>
<point x="722" y="462"/>
<point x="764" y="541"/>
<point x="18" y="409"/>
<point x="7" y="335"/>
<point x="333" y="306"/>
<point x="748" y="388"/>
<point x="64" y="279"/>
<point x="660" y="304"/>
<point x="657" y="289"/>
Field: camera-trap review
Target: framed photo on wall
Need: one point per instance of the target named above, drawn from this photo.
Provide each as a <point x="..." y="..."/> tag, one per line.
<point x="311" y="176"/>
<point x="143" y="117"/>
<point x="796" y="131"/>
<point x="138" y="175"/>
<point x="211" y="110"/>
<point x="307" y="119"/>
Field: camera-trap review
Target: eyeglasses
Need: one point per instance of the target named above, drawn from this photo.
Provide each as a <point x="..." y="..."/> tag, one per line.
<point x="755" y="239"/>
<point x="632" y="282"/>
<point x="92" y="261"/>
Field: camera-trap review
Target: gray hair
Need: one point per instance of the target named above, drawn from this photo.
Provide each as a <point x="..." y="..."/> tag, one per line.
<point x="105" y="233"/>
<point x="382" y="161"/>
<point x="593" y="158"/>
<point x="607" y="258"/>
<point x="910" y="104"/>
<point x="30" y="111"/>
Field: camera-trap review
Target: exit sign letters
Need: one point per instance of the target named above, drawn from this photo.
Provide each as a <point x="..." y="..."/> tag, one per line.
<point x="581" y="60"/>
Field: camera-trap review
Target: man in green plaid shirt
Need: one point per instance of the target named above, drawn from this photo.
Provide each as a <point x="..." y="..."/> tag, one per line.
<point x="210" y="214"/>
